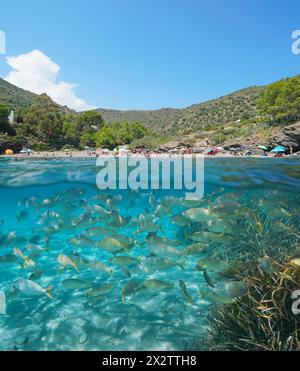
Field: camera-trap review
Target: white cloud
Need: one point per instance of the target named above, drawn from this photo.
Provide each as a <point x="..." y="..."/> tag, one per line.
<point x="36" y="72"/>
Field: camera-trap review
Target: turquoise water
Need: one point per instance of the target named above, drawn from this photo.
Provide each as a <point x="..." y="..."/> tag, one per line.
<point x="47" y="208"/>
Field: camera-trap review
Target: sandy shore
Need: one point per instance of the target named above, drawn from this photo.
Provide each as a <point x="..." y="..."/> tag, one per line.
<point x="84" y="154"/>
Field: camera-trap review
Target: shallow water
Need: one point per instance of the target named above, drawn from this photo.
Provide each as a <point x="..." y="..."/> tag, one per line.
<point x="150" y="319"/>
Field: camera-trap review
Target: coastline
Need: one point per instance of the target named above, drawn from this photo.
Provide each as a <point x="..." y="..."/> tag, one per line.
<point x="84" y="155"/>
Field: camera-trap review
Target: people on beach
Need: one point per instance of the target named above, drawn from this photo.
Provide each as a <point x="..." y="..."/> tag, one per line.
<point x="249" y="151"/>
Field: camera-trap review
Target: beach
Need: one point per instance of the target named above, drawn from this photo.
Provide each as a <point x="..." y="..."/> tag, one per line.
<point x="84" y="154"/>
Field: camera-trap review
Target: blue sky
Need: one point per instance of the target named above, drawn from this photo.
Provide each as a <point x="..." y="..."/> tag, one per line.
<point x="138" y="54"/>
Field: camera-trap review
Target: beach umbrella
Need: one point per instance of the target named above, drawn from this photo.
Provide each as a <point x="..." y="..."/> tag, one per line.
<point x="264" y="148"/>
<point x="279" y="149"/>
<point x="9" y="152"/>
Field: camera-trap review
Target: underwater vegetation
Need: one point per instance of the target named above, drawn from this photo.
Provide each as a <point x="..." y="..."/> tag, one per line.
<point x="261" y="320"/>
<point x="83" y="269"/>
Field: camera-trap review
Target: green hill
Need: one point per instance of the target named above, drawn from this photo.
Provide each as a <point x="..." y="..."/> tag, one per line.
<point x="240" y="105"/>
<point x="155" y="119"/>
<point x="14" y="97"/>
<point x="237" y="106"/>
<point x="223" y="111"/>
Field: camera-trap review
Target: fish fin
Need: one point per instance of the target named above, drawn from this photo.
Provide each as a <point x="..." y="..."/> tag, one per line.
<point x="151" y="255"/>
<point x="126" y="272"/>
<point x="48" y="292"/>
<point x="181" y="265"/>
<point x="27" y="261"/>
<point x="202" y="293"/>
<point x="140" y="243"/>
<point x="76" y="268"/>
<point x="207" y="279"/>
<point x="123" y="296"/>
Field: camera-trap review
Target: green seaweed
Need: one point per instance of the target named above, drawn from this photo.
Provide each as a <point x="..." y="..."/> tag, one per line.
<point x="263" y="319"/>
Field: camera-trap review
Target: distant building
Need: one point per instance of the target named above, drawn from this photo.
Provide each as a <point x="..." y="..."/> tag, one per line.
<point x="11" y="117"/>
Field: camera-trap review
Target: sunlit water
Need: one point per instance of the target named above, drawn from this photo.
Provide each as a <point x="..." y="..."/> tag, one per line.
<point x="151" y="319"/>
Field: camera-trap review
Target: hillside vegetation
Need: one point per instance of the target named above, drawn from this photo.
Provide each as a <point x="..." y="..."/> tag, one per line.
<point x="156" y="119"/>
<point x="14" y="97"/>
<point x="240" y="105"/>
<point x="249" y="116"/>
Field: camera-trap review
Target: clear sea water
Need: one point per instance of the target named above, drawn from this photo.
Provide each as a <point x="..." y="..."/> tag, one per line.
<point x="151" y="319"/>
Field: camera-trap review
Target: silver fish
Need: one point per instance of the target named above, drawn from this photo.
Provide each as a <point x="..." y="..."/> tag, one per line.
<point x="75" y="284"/>
<point x="185" y="292"/>
<point x="31" y="288"/>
